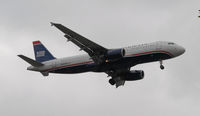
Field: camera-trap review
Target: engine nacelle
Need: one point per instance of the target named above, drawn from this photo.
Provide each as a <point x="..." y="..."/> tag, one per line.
<point x="134" y="75"/>
<point x="115" y="54"/>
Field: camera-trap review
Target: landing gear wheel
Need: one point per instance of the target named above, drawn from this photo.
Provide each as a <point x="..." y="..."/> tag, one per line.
<point x="162" y="67"/>
<point x="112" y="82"/>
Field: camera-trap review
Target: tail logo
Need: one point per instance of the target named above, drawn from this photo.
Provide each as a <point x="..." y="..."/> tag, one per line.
<point x="40" y="54"/>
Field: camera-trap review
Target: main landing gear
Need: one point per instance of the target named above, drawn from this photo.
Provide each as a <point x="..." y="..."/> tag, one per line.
<point x="112" y="81"/>
<point x="161" y="65"/>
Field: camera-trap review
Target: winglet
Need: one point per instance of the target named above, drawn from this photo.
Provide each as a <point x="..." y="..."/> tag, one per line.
<point x="52" y="24"/>
<point x="31" y="61"/>
<point x="55" y="24"/>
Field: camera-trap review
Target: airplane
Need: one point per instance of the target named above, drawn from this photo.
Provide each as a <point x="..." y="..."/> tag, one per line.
<point x="116" y="63"/>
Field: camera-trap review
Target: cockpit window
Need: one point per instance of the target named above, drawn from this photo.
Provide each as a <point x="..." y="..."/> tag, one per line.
<point x="170" y="43"/>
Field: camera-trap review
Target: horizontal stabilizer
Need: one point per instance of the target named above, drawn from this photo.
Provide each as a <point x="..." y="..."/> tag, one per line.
<point x="31" y="61"/>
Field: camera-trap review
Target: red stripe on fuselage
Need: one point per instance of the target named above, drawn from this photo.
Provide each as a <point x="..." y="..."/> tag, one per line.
<point x="77" y="64"/>
<point x="144" y="53"/>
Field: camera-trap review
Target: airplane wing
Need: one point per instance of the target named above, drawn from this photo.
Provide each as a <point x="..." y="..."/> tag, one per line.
<point x="94" y="50"/>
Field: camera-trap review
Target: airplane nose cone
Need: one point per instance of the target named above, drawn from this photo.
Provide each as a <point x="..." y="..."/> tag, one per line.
<point x="180" y="50"/>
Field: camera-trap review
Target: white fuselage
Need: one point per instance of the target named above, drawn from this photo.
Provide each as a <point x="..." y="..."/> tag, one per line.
<point x="150" y="49"/>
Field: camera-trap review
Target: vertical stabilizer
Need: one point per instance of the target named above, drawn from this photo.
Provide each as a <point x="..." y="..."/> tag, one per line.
<point x="41" y="53"/>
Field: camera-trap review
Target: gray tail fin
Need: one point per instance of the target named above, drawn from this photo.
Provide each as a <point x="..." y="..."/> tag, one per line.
<point x="31" y="61"/>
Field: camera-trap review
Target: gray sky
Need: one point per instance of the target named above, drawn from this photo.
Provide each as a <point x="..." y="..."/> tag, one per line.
<point x="114" y="23"/>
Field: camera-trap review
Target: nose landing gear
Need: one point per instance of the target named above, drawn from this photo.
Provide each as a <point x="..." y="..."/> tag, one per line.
<point x="161" y="65"/>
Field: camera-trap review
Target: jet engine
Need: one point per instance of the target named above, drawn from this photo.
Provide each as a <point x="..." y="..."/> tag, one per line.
<point x="115" y="54"/>
<point x="134" y="75"/>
